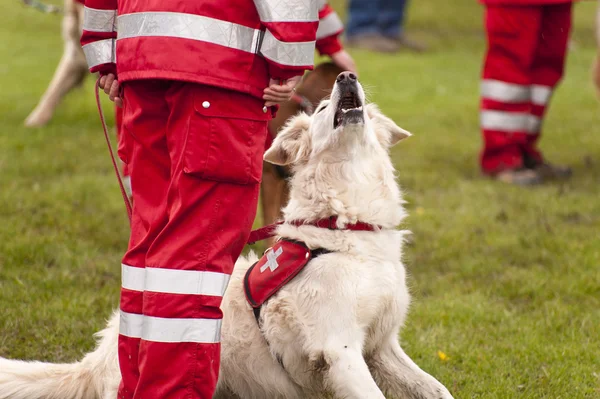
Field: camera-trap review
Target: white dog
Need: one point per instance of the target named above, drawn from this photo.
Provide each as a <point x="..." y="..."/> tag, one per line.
<point x="333" y="329"/>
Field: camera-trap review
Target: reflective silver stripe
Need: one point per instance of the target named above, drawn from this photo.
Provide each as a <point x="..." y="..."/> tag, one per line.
<point x="540" y="95"/>
<point x="130" y="324"/>
<point x="186" y="282"/>
<point x="100" y="52"/>
<point x="158" y="329"/>
<point x="188" y="26"/>
<point x="504" y="92"/>
<point x="99" y="20"/>
<point x="288" y="53"/>
<point x="510" y="121"/>
<point x="329" y="25"/>
<point x="169" y="281"/>
<point x="287" y="11"/>
<point x="133" y="278"/>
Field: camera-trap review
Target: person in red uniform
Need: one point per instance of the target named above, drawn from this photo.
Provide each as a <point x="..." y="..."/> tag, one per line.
<point x="527" y="45"/>
<point x="327" y="44"/>
<point x="197" y="81"/>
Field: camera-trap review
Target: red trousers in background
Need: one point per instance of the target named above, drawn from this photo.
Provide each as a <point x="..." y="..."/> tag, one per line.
<point x="524" y="63"/>
<point x="194" y="154"/>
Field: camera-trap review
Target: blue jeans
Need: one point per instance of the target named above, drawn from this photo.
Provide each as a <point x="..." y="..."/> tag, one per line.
<point x="383" y="17"/>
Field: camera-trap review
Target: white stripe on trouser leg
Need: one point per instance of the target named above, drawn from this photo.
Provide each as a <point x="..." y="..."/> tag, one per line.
<point x="191" y="282"/>
<point x="503" y="121"/>
<point x="171" y="281"/>
<point x="158" y="329"/>
<point x="133" y="278"/>
<point x="540" y="95"/>
<point x="130" y="324"/>
<point x="505" y="92"/>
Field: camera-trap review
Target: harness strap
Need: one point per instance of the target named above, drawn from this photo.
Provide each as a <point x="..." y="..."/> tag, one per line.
<point x="112" y="155"/>
<point x="330" y="223"/>
<point x="263" y="233"/>
<point x="256" y="310"/>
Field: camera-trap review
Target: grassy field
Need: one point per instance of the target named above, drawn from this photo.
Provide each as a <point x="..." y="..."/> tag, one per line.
<point x="506" y="280"/>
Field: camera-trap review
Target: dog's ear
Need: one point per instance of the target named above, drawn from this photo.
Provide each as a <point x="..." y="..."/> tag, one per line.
<point x="292" y="143"/>
<point x="388" y="133"/>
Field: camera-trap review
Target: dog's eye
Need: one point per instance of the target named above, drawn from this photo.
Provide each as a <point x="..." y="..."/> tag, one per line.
<point x="321" y="109"/>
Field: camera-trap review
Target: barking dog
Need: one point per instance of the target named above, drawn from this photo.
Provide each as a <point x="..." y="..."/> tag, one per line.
<point x="274" y="189"/>
<point x="333" y="329"/>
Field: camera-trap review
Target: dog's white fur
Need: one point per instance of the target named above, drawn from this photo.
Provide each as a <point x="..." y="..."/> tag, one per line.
<point x="71" y="69"/>
<point x="334" y="326"/>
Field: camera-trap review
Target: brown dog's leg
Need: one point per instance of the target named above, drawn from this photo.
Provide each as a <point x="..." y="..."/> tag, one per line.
<point x="274" y="193"/>
<point x="596" y="64"/>
<point x="71" y="69"/>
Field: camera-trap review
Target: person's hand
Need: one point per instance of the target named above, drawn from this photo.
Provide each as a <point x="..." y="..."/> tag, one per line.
<point x="278" y="93"/>
<point x="111" y="86"/>
<point x="344" y="60"/>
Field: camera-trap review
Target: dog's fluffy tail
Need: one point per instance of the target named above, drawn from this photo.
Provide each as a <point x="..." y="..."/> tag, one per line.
<point x="95" y="377"/>
<point x="36" y="380"/>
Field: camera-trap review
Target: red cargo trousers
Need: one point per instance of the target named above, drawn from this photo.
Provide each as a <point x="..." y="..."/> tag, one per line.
<point x="524" y="63"/>
<point x="124" y="168"/>
<point x="194" y="154"/>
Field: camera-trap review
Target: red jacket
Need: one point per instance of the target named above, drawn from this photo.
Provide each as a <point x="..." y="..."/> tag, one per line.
<point x="524" y="2"/>
<point x="234" y="44"/>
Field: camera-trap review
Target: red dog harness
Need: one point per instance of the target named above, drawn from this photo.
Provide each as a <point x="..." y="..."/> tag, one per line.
<point x="278" y="266"/>
<point x="285" y="260"/>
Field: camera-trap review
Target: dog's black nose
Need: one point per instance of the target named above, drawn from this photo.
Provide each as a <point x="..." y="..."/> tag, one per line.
<point x="346" y="77"/>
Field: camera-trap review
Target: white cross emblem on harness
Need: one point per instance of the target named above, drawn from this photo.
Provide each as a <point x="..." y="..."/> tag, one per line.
<point x="271" y="262"/>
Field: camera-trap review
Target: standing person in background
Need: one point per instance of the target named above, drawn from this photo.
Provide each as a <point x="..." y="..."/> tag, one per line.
<point x="527" y="45"/>
<point x="377" y="25"/>
<point x="197" y="81"/>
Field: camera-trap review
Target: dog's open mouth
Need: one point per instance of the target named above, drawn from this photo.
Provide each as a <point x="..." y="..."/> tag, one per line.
<point x="349" y="109"/>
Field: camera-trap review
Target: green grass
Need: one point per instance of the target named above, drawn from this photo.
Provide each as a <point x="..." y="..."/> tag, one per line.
<point x="505" y="280"/>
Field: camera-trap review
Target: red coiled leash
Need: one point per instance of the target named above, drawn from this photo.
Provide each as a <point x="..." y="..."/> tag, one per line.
<point x="112" y="155"/>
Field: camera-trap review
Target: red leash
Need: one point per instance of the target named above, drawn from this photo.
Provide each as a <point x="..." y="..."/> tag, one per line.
<point x="112" y="155"/>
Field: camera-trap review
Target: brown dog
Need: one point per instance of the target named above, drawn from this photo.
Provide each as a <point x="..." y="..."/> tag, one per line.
<point x="315" y="86"/>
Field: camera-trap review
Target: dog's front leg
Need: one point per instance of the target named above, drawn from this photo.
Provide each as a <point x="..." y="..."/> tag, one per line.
<point x="347" y="374"/>
<point x="400" y="378"/>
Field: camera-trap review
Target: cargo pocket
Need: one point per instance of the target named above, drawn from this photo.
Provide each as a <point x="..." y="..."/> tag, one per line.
<point x="226" y="137"/>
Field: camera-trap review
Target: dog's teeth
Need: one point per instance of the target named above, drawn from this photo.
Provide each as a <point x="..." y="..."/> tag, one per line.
<point x="359" y="108"/>
<point x="345" y="110"/>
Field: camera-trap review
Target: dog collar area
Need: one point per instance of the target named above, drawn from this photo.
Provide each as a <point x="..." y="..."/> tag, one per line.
<point x="329" y="223"/>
